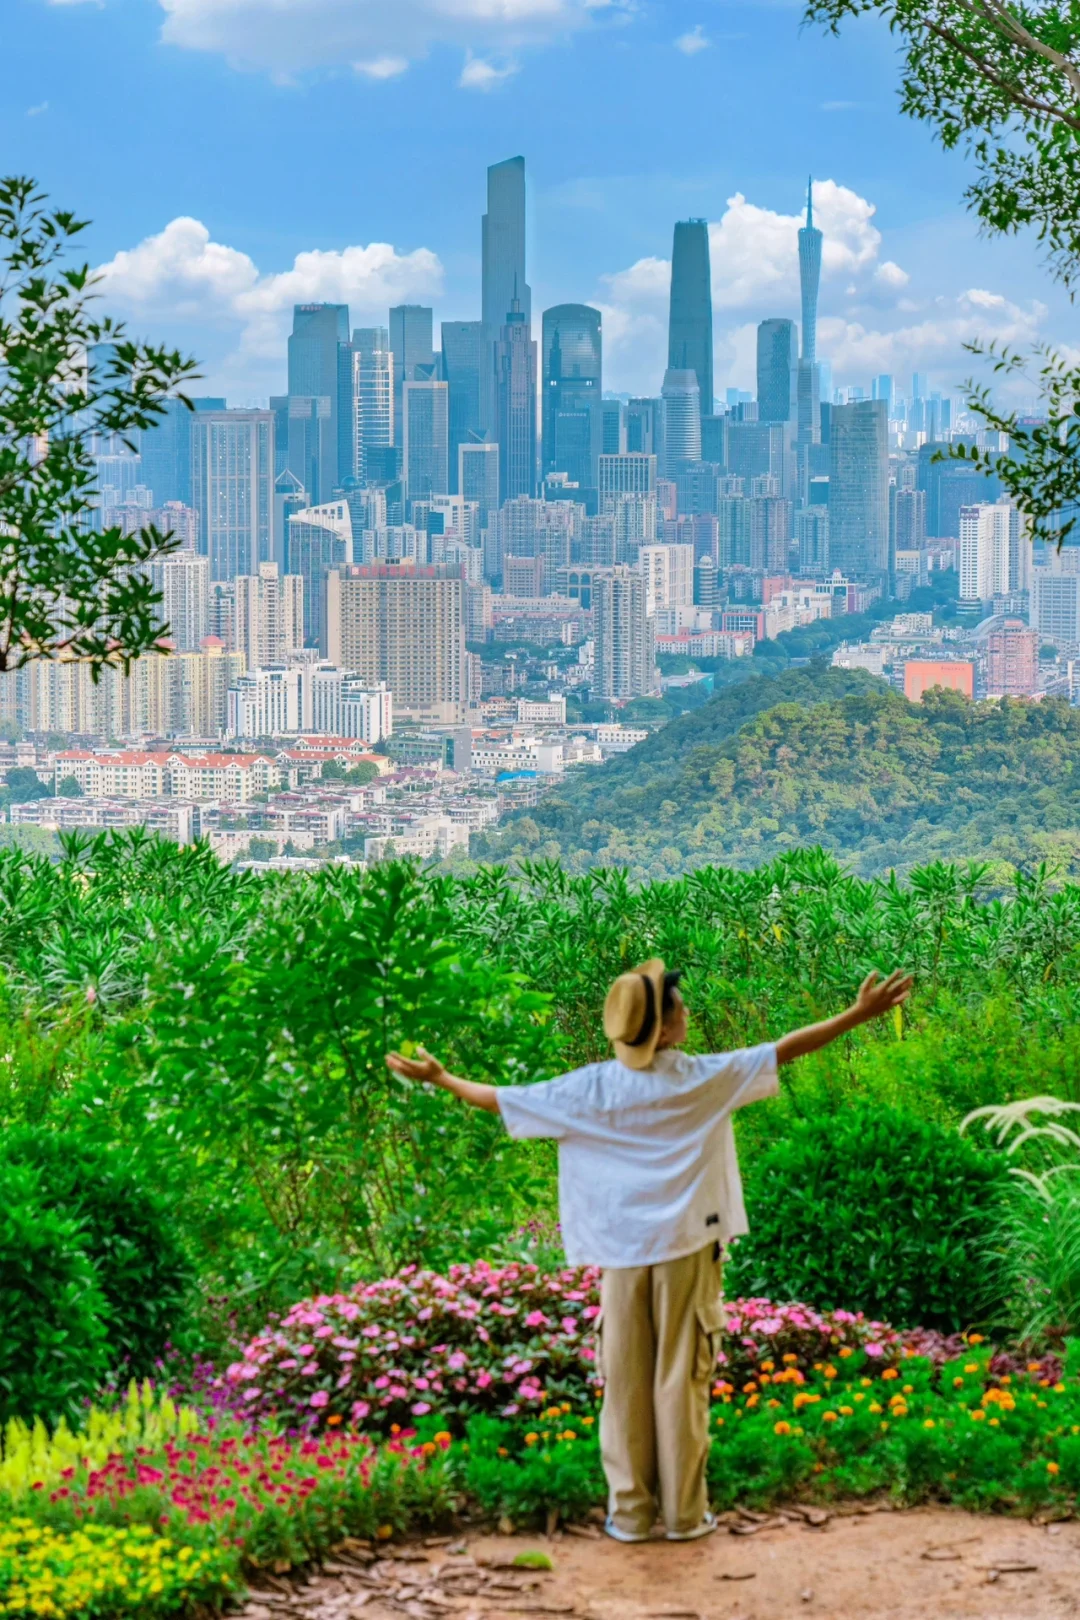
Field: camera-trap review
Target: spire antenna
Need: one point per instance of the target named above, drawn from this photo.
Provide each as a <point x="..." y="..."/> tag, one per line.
<point x="810" y="203"/>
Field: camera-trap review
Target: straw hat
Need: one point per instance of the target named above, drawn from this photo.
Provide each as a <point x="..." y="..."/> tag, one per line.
<point x="633" y="1013"/>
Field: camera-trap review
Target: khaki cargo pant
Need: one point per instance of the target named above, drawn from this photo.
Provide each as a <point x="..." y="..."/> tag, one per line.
<point x="660" y="1332"/>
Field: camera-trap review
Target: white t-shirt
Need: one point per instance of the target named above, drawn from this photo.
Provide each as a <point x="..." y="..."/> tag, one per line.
<point x="647" y="1163"/>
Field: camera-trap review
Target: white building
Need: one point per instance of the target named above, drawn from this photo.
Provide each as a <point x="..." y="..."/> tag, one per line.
<point x="267" y="703"/>
<point x="338" y="703"/>
<point x="184" y="581"/>
<point x="1055" y="606"/>
<point x="995" y="554"/>
<point x="668" y="572"/>
<point x="623" y="635"/>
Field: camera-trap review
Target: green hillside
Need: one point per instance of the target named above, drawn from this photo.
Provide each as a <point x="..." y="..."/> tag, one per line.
<point x="821" y="756"/>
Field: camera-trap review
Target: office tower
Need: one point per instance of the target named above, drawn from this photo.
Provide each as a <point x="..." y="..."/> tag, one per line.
<point x="515" y="418"/>
<point x="425" y="439"/>
<point x="320" y="539"/>
<point x="613" y="431"/>
<point x="859" y="489"/>
<point x="810" y="377"/>
<point x="697" y="484"/>
<point x="668" y="572"/>
<point x="990" y="554"/>
<point x="372" y="396"/>
<point x="478" y="478"/>
<point x="949" y="486"/>
<point x="636" y="520"/>
<point x="305" y="442"/>
<point x="289" y="496"/>
<point x="1055" y="607"/>
<point x="642" y="426"/>
<point x="812" y="538"/>
<point x="633" y="473"/>
<point x="714" y="439"/>
<point x="503" y="277"/>
<point x="268" y="624"/>
<point x="777" y="366"/>
<point x="682" y="419"/>
<point x="165" y="450"/>
<point x="402" y="625"/>
<point x="622" y="635"/>
<point x="690" y="333"/>
<point x="315" y="374"/>
<point x="882" y="388"/>
<point x="909" y="519"/>
<point x="221" y="615"/>
<point x="597" y="542"/>
<point x="414" y="356"/>
<point x="462" y="346"/>
<point x="757" y="449"/>
<point x="546" y="530"/>
<point x="705" y="591"/>
<point x="574" y="413"/>
<point x="232" y="473"/>
<point x="184" y="581"/>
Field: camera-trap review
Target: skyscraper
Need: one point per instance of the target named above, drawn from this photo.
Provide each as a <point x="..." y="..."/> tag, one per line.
<point x="808" y="385"/>
<point x="462" y="345"/>
<point x="166" y="451"/>
<point x="425" y="439"/>
<point x="414" y="356"/>
<point x="268" y="625"/>
<point x="184" y="581"/>
<point x="516" y="405"/>
<point x="682" y="419"/>
<point x="642" y="426"/>
<point x="777" y="365"/>
<point x="572" y="401"/>
<point x="859" y="489"/>
<point x="320" y="538"/>
<point x="690" y="333"/>
<point x="319" y="333"/>
<point x="232" y="484"/>
<point x="478" y="477"/>
<point x="502" y="250"/>
<point x="373" y="397"/>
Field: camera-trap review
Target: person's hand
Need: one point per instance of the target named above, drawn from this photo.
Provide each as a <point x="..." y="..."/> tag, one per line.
<point x="876" y="995"/>
<point x="421" y="1067"/>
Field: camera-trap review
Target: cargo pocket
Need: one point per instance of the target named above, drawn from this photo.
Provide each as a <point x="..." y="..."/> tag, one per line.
<point x="711" y="1321"/>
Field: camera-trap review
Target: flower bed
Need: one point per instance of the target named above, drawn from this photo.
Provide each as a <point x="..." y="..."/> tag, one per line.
<point x="503" y="1340"/>
<point x="105" y="1571"/>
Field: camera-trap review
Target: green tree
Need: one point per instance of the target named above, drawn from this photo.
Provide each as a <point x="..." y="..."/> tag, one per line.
<point x="69" y="788"/>
<point x="354" y="775"/>
<point x="66" y="378"/>
<point x="24" y="784"/>
<point x="1001" y="82"/>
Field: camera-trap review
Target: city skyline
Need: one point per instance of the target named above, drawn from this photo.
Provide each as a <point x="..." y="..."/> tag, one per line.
<point x="217" y="267"/>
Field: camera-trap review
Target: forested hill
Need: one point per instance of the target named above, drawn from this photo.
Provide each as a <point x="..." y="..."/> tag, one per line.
<point x="821" y="756"/>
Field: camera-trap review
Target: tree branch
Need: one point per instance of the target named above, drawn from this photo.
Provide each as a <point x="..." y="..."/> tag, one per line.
<point x="1010" y="89"/>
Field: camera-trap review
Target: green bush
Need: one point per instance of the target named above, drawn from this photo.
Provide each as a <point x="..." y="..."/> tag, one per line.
<point x="125" y="1231"/>
<point x="876" y="1210"/>
<point x="52" y="1314"/>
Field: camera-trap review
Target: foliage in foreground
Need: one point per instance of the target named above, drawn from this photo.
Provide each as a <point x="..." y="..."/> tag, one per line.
<point x="223" y="1033"/>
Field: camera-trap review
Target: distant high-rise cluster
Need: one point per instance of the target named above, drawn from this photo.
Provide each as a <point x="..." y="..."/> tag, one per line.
<point x="415" y="489"/>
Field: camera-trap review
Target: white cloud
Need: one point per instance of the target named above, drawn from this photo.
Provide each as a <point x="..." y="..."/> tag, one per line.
<point x="383" y="67"/>
<point x="872" y="318"/>
<point x="36" y="112"/>
<point x="181" y="276"/>
<point x="285" y="37"/>
<point x="692" y="41"/>
<point x="480" y="74"/>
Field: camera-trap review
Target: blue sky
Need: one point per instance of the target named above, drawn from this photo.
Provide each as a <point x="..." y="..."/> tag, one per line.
<point x="237" y="155"/>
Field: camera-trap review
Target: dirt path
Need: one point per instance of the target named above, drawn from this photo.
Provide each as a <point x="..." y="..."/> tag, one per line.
<point x="918" y="1565"/>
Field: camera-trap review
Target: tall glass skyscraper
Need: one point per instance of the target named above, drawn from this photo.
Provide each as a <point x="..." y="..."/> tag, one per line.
<point x="425" y="439"/>
<point x="462" y="345"/>
<point x="682" y="419"/>
<point x="572" y="393"/>
<point x="232" y="489"/>
<point x="690" y="332"/>
<point x="318" y="370"/>
<point x="373" y="397"/>
<point x="414" y="356"/>
<point x="859" y="488"/>
<point x="516" y="405"/>
<point x="502" y="252"/>
<point x="808" y="387"/>
<point x="777" y="365"/>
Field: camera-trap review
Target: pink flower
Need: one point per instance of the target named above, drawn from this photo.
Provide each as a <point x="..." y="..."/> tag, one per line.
<point x="320" y="1398"/>
<point x="309" y="1369"/>
<point x="360" y="1409"/>
<point x="536" y="1319"/>
<point x="420" y="1408"/>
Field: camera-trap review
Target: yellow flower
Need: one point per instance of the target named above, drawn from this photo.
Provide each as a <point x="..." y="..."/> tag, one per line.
<point x="971" y="1366"/>
<point x="774" y="1402"/>
<point x="828" y="1417"/>
<point x="847" y="1411"/>
<point x="929" y="1424"/>
<point x="875" y="1406"/>
<point x="846" y="1351"/>
<point x="975" y="1338"/>
<point x="977" y="1416"/>
<point x="588" y="1420"/>
<point x="768" y="1366"/>
<point x="958" y="1383"/>
<point x="531" y="1438"/>
<point x="1053" y="1468"/>
<point x="830" y="1372"/>
<point x="781" y="1427"/>
<point x="995" y="1423"/>
<point x="890" y="1372"/>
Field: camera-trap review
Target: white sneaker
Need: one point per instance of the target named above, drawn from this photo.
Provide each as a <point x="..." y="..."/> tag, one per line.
<point x="705" y="1528"/>
<point x="611" y="1529"/>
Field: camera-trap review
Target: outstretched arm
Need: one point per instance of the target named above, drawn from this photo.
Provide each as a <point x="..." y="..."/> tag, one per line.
<point x="428" y="1068"/>
<point x="876" y="997"/>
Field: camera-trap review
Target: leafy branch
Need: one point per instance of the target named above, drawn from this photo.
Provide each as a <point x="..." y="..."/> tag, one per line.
<point x="68" y="589"/>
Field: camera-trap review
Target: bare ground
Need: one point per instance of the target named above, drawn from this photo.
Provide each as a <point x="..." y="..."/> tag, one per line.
<point x="917" y="1565"/>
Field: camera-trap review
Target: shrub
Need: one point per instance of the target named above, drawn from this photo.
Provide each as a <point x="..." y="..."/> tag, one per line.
<point x="102" y="1570"/>
<point x="52" y="1330"/>
<point x="876" y="1210"/>
<point x="127" y="1232"/>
